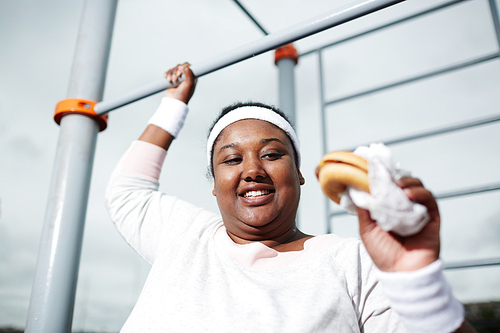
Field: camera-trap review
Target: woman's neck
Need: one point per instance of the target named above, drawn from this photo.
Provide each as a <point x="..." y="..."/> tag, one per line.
<point x="292" y="240"/>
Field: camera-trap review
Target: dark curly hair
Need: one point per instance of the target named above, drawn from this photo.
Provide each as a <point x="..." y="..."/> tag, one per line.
<point x="237" y="105"/>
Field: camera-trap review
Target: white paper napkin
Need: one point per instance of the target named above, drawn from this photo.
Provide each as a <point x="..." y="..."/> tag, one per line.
<point x="387" y="203"/>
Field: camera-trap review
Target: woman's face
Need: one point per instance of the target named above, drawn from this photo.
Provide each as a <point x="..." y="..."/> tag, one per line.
<point x="256" y="181"/>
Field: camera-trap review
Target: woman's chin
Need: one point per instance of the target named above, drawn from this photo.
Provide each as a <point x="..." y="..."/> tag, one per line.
<point x="259" y="217"/>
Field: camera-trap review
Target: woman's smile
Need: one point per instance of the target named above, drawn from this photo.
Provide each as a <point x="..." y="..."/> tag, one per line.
<point x="257" y="193"/>
<point x="257" y="197"/>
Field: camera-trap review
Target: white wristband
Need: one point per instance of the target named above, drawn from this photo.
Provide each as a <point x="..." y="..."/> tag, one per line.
<point x="423" y="299"/>
<point x="170" y="115"/>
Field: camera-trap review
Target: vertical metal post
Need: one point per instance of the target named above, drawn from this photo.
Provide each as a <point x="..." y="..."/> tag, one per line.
<point x="496" y="19"/>
<point x="287" y="87"/>
<point x="286" y="58"/>
<point x="54" y="284"/>
<point x="324" y="140"/>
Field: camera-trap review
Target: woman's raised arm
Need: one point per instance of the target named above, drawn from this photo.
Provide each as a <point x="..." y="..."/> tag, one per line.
<point x="166" y="122"/>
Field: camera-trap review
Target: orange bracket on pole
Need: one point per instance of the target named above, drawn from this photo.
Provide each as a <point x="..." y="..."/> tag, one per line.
<point x="287" y="51"/>
<point x="80" y="106"/>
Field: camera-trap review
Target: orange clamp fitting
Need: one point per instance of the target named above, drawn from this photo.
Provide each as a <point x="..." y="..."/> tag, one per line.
<point x="287" y="51"/>
<point x="80" y="106"/>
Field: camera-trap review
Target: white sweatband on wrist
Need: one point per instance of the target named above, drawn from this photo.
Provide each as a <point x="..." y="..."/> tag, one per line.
<point x="170" y="115"/>
<point x="423" y="299"/>
<point x="252" y="112"/>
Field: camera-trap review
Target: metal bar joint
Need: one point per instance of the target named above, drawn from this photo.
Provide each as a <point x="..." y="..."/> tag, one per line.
<point x="80" y="106"/>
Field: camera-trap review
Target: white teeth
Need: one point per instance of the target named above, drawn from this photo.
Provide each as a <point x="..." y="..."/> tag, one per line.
<point x="251" y="194"/>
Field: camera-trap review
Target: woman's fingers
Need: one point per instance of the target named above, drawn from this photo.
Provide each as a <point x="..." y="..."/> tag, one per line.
<point x="173" y="74"/>
<point x="416" y="192"/>
<point x="183" y="91"/>
<point x="168" y="75"/>
<point x="188" y="74"/>
<point x="181" y="69"/>
<point x="408" y="182"/>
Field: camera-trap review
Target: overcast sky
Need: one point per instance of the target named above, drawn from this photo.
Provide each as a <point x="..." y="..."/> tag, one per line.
<point x="37" y="41"/>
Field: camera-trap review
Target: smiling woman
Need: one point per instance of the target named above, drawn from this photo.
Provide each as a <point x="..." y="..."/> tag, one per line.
<point x="257" y="182"/>
<point x="250" y="269"/>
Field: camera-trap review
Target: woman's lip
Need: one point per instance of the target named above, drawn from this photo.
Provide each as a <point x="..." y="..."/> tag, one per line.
<point x="259" y="200"/>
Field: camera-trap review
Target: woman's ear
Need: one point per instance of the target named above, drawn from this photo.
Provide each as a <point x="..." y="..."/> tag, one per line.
<point x="213" y="191"/>
<point x="301" y="178"/>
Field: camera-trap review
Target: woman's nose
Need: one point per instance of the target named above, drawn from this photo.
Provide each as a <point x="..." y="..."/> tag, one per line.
<point x="253" y="168"/>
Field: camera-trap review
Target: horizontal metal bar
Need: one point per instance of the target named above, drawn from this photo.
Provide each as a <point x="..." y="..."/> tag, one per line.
<point x="417" y="77"/>
<point x="452" y="128"/>
<point x="387" y="25"/>
<point x="251" y="17"/>
<point x="472" y="263"/>
<point x="267" y="43"/>
<point x="446" y="195"/>
<point x="339" y="213"/>
<point x="469" y="191"/>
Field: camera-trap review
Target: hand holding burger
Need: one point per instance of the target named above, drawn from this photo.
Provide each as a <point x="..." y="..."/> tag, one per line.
<point x="340" y="170"/>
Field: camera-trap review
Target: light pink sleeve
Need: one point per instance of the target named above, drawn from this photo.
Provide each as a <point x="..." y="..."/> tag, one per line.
<point x="143" y="159"/>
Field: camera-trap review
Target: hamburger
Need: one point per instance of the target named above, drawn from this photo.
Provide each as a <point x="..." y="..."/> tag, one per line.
<point x="339" y="170"/>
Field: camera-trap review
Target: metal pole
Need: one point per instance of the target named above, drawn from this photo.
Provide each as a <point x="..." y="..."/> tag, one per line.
<point x="267" y="43"/>
<point x="469" y="191"/>
<point x="324" y="141"/>
<point x="287" y="87"/>
<point x="448" y="69"/>
<point x="251" y="17"/>
<point x="286" y="58"/>
<point x="54" y="285"/>
<point x="387" y="25"/>
<point x="447" y="195"/>
<point x="472" y="263"/>
<point x="496" y="19"/>
<point x="442" y="130"/>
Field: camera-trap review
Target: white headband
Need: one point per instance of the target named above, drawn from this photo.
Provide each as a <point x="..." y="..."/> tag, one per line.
<point x="251" y="112"/>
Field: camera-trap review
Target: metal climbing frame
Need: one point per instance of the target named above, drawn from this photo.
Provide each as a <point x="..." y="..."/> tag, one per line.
<point x="54" y="284"/>
<point x="267" y="43"/>
<point x="456" y="127"/>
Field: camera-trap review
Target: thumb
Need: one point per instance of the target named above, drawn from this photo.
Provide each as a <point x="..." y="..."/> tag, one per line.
<point x="366" y="223"/>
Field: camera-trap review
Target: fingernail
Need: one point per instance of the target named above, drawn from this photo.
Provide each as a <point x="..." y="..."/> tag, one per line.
<point x="407" y="191"/>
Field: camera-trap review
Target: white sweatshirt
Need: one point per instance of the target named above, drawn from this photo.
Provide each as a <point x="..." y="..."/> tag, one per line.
<point x="201" y="281"/>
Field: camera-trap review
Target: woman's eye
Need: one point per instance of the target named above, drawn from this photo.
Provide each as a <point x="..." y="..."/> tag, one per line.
<point x="273" y="156"/>
<point x="231" y="161"/>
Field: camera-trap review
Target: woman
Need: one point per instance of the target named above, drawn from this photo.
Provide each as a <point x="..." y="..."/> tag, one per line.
<point x="251" y="269"/>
